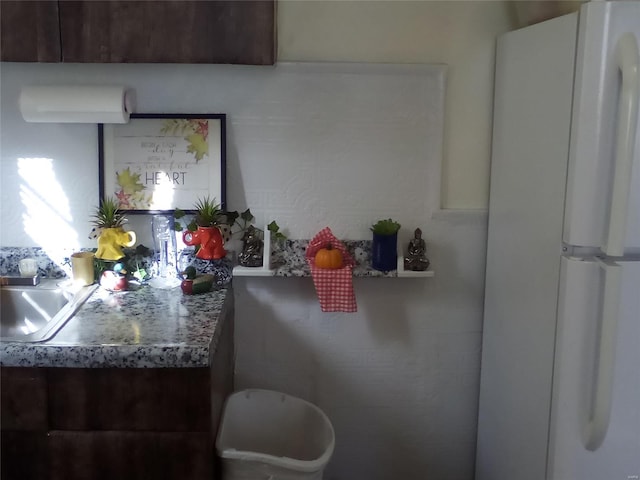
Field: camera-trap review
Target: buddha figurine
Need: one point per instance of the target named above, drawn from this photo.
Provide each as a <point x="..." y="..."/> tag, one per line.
<point x="252" y="248"/>
<point x="415" y="259"/>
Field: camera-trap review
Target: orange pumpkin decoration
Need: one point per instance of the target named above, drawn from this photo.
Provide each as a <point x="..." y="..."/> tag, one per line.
<point x="329" y="257"/>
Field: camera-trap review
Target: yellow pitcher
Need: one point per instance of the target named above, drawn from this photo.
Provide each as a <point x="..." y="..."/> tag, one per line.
<point x="111" y="241"/>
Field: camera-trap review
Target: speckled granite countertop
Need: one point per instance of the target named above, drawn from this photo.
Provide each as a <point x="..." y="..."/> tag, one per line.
<point x="145" y="328"/>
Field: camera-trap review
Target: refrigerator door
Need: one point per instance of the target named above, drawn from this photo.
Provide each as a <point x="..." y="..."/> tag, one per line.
<point x="603" y="188"/>
<point x="528" y="178"/>
<point x="595" y="415"/>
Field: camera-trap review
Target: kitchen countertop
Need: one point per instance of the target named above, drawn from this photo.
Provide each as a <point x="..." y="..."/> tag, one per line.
<point x="143" y="328"/>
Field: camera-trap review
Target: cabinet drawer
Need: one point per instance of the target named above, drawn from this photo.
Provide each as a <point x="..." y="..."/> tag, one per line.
<point x="130" y="455"/>
<point x="24" y="455"/>
<point x="23" y="399"/>
<point x="171" y="399"/>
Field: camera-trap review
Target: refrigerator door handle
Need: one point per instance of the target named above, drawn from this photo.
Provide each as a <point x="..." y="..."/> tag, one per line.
<point x="628" y="60"/>
<point x="600" y="407"/>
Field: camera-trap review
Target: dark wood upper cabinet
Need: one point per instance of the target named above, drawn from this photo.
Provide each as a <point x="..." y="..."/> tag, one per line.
<point x="29" y="31"/>
<point x="168" y="31"/>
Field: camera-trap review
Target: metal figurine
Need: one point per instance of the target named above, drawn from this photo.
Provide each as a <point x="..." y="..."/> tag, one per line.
<point x="415" y="259"/>
<point x="252" y="248"/>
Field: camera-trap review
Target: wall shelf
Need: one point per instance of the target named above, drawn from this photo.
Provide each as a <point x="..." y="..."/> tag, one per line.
<point x="240" y="271"/>
<point x="287" y="259"/>
<point x="359" y="271"/>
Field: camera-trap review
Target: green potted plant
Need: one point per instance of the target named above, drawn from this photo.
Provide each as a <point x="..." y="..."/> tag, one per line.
<point x="208" y="214"/>
<point x="384" y="249"/>
<point x="204" y="231"/>
<point x="109" y="220"/>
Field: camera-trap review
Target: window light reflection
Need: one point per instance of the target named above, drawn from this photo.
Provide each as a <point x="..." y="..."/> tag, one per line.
<point x="163" y="193"/>
<point x="36" y="306"/>
<point x="28" y="327"/>
<point x="47" y="214"/>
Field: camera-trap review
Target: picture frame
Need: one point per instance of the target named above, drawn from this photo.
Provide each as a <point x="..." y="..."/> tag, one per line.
<point x="158" y="163"/>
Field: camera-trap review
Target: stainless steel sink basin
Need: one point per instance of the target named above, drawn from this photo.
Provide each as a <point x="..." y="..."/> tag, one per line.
<point x="36" y="313"/>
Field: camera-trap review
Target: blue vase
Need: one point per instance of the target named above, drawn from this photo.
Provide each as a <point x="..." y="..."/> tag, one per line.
<point x="384" y="252"/>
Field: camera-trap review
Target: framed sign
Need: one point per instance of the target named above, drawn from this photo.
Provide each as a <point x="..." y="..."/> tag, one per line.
<point x="159" y="162"/>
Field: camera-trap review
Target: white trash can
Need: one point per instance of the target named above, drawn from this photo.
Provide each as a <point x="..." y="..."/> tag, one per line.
<point x="267" y="435"/>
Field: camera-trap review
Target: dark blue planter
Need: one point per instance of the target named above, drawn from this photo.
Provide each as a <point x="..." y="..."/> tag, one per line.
<point x="384" y="252"/>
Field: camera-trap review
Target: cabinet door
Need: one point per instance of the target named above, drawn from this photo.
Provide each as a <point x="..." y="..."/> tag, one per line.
<point x="29" y="31"/>
<point x="131" y="455"/>
<point x="171" y="31"/>
<point x="23" y="423"/>
<point x="135" y="399"/>
<point x="24" y="455"/>
<point x="23" y="399"/>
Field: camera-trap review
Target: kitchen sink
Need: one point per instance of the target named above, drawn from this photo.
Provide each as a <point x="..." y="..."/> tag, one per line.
<point x="36" y="313"/>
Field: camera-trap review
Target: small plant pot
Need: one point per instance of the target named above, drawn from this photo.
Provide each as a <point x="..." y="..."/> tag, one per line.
<point x="209" y="239"/>
<point x="384" y="252"/>
<point x="111" y="241"/>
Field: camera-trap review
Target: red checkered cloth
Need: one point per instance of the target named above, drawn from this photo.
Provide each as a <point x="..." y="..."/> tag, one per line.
<point x="333" y="286"/>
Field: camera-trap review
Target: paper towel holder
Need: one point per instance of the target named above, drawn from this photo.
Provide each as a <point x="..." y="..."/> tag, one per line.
<point x="76" y="103"/>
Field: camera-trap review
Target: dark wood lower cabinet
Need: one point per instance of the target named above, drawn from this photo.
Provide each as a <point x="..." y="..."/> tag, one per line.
<point x="171" y="399"/>
<point x="23" y="399"/>
<point x="25" y="455"/>
<point x="67" y="423"/>
<point x="130" y="455"/>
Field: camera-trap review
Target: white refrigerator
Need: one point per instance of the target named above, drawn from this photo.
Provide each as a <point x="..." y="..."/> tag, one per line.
<point x="560" y="372"/>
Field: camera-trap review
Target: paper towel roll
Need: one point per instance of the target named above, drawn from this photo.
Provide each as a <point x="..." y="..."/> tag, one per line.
<point x="76" y="104"/>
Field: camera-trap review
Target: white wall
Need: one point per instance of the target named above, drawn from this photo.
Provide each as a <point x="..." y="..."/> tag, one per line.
<point x="308" y="145"/>
<point x="458" y="33"/>
<point x="398" y="379"/>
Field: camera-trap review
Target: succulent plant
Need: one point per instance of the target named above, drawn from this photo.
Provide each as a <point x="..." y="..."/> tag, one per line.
<point x="385" y="227"/>
<point x="207" y="212"/>
<point x="108" y="214"/>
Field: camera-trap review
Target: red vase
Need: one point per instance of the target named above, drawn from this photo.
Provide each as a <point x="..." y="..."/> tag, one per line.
<point x="210" y="241"/>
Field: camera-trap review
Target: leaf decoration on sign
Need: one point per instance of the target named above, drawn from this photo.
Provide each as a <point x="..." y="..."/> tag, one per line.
<point x="129" y="182"/>
<point x="140" y="200"/>
<point x="197" y="145"/>
<point x="176" y="126"/>
<point x="132" y="192"/>
<point x="195" y="131"/>
<point x="202" y="127"/>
